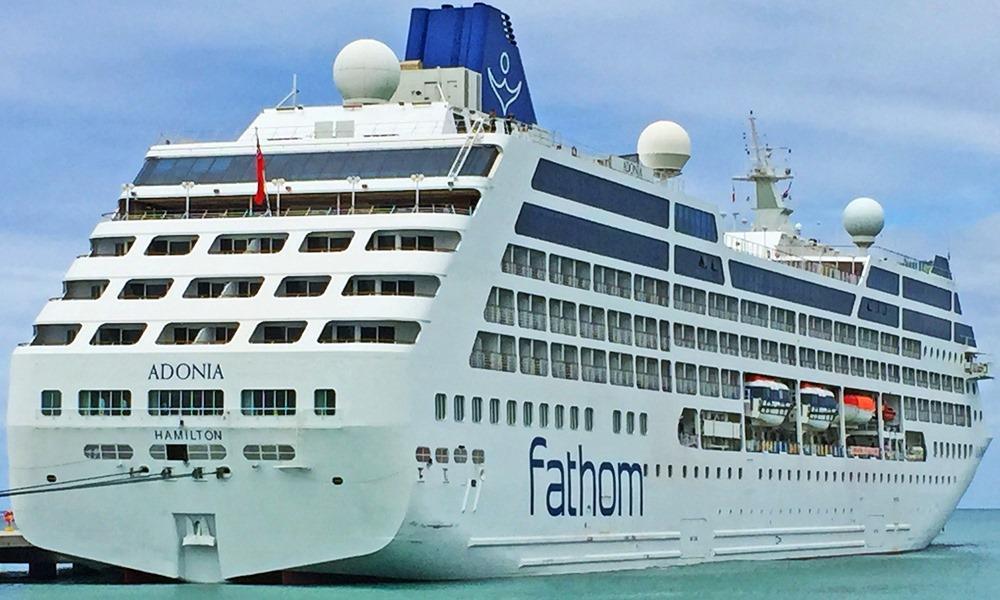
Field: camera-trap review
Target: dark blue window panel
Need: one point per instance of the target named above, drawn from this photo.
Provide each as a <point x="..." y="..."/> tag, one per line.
<point x="367" y="164"/>
<point x="883" y="281"/>
<point x="958" y="305"/>
<point x="792" y="289"/>
<point x="698" y="223"/>
<point x="699" y="265"/>
<point x="879" y="312"/>
<point x="918" y="322"/>
<point x="567" y="230"/>
<point x="965" y="335"/>
<point x="942" y="267"/>
<point x="558" y="180"/>
<point x="929" y="294"/>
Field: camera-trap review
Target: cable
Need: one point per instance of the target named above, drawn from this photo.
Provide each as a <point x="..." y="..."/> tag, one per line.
<point x="164" y="475"/>
<point x="69" y="481"/>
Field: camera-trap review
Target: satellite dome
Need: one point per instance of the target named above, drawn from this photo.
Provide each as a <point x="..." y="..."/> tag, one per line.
<point x="665" y="147"/>
<point x="366" y="72"/>
<point x="863" y="220"/>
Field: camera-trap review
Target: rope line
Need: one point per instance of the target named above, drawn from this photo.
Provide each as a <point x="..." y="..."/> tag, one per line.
<point x="164" y="475"/>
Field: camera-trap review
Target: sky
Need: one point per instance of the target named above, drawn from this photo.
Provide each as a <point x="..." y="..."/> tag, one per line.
<point x="894" y="100"/>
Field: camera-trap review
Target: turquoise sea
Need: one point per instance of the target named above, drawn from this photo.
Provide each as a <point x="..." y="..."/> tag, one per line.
<point x="964" y="562"/>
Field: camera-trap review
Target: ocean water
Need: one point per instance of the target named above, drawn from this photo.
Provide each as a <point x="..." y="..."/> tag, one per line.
<point x="964" y="562"/>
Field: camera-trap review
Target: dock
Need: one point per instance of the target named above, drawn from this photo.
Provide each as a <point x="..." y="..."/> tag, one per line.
<point x="15" y="550"/>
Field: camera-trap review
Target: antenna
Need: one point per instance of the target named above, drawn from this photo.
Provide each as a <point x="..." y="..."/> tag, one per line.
<point x="292" y="95"/>
<point x="771" y="214"/>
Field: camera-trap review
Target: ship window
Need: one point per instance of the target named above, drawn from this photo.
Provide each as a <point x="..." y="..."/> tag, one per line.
<point x="574" y="418"/>
<point x="647" y="373"/>
<point x="118" y="334"/>
<point x="269" y="243"/>
<point x="560" y="415"/>
<point x="372" y="285"/>
<point x="630" y="423"/>
<point x="494" y="351"/>
<point x="51" y="403"/>
<point x="612" y="282"/>
<point x="105" y="402"/>
<point x="564" y="361"/>
<point x="622" y="369"/>
<point x="522" y="261"/>
<point x="783" y="319"/>
<point x="414" y="240"/>
<point x="531" y="311"/>
<point x="753" y="313"/>
<point x="534" y="357"/>
<point x="588" y="419"/>
<point x="224" y="287"/>
<point x="926" y="293"/>
<point x="884" y="281"/>
<point x="666" y="379"/>
<point x="440" y="406"/>
<point x="185" y="402"/>
<point x="616" y="421"/>
<point x="477" y="409"/>
<point x="478" y="456"/>
<point x="296" y="287"/>
<point x="461" y="455"/>
<point x="511" y="412"/>
<point x="791" y="289"/>
<point x="84" y="289"/>
<point x="689" y="299"/>
<point x="145" y="289"/>
<point x="723" y="306"/>
<point x="527" y="413"/>
<point x="325" y="402"/>
<point x="494" y="411"/>
<point x="619" y="327"/>
<point x="500" y="307"/>
<point x="55" y="335"/>
<point x="278" y="332"/>
<point x="268" y="452"/>
<point x="441" y="455"/>
<point x="459" y="408"/>
<point x="644" y="428"/>
<point x="562" y="316"/>
<point x="108" y="451"/>
<point x="652" y="290"/>
<point x="646" y="332"/>
<point x="167" y="245"/>
<point x="694" y="222"/>
<point x="919" y="322"/>
<point x="543" y="415"/>
<point x="198" y="333"/>
<point x="327" y="241"/>
<point x="187" y="452"/>
<point x="267" y="402"/>
<point x="699" y="265"/>
<point x="111" y="246"/>
<point x="569" y="272"/>
<point x="592" y="322"/>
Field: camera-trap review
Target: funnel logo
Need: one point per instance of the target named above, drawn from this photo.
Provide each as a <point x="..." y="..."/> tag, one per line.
<point x="503" y="88"/>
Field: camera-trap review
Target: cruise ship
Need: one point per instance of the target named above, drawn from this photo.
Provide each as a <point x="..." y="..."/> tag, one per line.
<point x="419" y="336"/>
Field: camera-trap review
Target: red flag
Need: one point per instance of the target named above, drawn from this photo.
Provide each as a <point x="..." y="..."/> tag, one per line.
<point x="261" y="195"/>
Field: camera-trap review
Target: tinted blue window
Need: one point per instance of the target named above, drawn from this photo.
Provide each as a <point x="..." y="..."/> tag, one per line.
<point x="942" y="267"/>
<point x="560" y="228"/>
<point x="926" y="293"/>
<point x="879" y="312"/>
<point x="958" y="305"/>
<point x="699" y="265"/>
<point x="367" y="164"/>
<point x="558" y="180"/>
<point x="792" y="289"/>
<point x="691" y="221"/>
<point x="884" y="281"/>
<point x="918" y="322"/>
<point x="964" y="335"/>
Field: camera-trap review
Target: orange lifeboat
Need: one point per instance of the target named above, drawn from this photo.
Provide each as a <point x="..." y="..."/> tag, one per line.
<point x="858" y="409"/>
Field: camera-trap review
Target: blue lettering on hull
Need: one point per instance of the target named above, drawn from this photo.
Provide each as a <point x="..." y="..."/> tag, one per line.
<point x="603" y="489"/>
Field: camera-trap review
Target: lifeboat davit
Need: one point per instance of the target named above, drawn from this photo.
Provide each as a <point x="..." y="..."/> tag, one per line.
<point x="858" y="409"/>
<point x="819" y="407"/>
<point x="770" y="401"/>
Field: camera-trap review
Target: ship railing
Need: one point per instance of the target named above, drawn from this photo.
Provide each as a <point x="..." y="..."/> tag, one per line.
<point x="565" y="370"/>
<point x="910" y="262"/>
<point x="784" y="257"/>
<point x="563" y="325"/>
<point x="231" y="213"/>
<point x="595" y="374"/>
<point x="646" y="340"/>
<point x="499" y="314"/>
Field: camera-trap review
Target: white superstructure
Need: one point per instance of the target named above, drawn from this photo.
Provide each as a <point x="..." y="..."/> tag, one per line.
<point x="451" y="347"/>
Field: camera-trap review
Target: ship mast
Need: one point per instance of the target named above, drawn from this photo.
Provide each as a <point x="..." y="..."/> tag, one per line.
<point x="770" y="211"/>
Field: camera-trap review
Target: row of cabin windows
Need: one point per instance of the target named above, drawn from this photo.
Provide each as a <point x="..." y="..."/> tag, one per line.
<point x="560" y="316"/>
<point x="278" y="332"/>
<point x="936" y="411"/>
<point x="818" y="476"/>
<point x="536" y="357"/>
<point x="440" y="455"/>
<point x="953" y="450"/>
<point x="630" y="420"/>
<point x="528" y="262"/>
<point x="527" y="414"/>
<point x="247" y="287"/>
<point x="189" y="452"/>
<point x="271" y="243"/>
<point x="188" y="402"/>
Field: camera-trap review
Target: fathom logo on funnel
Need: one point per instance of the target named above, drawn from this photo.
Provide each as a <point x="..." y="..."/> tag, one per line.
<point x="576" y="487"/>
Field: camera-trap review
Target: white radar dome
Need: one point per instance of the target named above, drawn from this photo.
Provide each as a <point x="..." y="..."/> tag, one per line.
<point x="366" y="72"/>
<point x="665" y="147"/>
<point x="863" y="220"/>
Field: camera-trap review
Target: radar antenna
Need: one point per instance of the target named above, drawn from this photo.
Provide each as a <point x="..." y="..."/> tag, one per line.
<point x="770" y="211"/>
